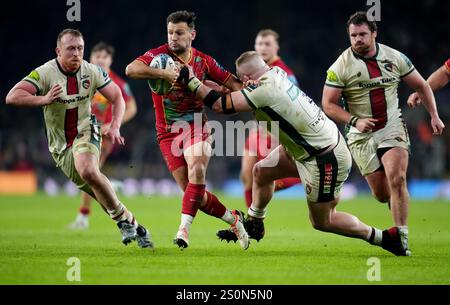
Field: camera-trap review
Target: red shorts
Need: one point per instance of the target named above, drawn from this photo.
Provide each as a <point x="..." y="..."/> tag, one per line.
<point x="260" y="144"/>
<point x="107" y="147"/>
<point x="172" y="144"/>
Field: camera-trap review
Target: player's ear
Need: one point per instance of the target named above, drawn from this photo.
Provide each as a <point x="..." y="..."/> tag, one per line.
<point x="58" y="51"/>
<point x="374" y="34"/>
<point x="193" y="34"/>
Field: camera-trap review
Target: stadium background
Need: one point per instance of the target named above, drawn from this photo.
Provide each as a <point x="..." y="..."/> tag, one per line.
<point x="312" y="36"/>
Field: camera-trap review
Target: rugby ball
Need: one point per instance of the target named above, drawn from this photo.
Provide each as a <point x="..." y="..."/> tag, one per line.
<point x="161" y="86"/>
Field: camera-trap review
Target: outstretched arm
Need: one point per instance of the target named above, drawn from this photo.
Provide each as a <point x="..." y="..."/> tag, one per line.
<point x="233" y="83"/>
<point x="226" y="103"/>
<point x="437" y="80"/>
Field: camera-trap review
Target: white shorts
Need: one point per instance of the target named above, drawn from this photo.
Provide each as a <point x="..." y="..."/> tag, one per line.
<point x="324" y="175"/>
<point x="365" y="146"/>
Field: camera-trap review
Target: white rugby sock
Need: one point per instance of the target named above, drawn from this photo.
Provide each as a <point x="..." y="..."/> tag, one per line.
<point x="228" y="217"/>
<point x="186" y="221"/>
<point x="375" y="236"/>
<point x="256" y="212"/>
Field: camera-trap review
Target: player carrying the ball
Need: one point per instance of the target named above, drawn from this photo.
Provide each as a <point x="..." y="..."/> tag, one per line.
<point x="181" y="105"/>
<point x="64" y="88"/>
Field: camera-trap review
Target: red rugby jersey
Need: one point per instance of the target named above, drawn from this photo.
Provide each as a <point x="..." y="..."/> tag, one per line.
<point x="180" y="104"/>
<point x="101" y="107"/>
<point x="277" y="62"/>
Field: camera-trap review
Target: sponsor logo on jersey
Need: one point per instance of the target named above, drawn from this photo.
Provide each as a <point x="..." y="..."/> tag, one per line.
<point x="378" y="83"/>
<point x="328" y="179"/>
<point x="86" y="84"/>
<point x="331" y="76"/>
<point x="388" y="65"/>
<point x="72" y="100"/>
<point x="34" y="75"/>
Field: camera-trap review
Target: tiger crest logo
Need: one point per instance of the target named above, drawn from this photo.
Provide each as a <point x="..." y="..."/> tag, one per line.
<point x="86" y="84"/>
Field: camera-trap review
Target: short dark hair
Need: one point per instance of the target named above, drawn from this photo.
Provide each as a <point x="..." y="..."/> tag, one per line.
<point x="72" y="32"/>
<point x="103" y="46"/>
<point x="269" y="32"/>
<point x="360" y="18"/>
<point x="183" y="16"/>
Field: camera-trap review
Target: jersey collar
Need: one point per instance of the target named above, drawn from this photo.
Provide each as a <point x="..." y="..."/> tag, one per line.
<point x="271" y="62"/>
<point x="66" y="73"/>
<point x="180" y="59"/>
<point x="367" y="58"/>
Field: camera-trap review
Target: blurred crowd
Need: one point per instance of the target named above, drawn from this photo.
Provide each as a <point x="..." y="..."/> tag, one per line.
<point x="311" y="37"/>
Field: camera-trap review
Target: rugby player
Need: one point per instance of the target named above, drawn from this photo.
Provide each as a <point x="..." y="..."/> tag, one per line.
<point x="64" y="88"/>
<point x="367" y="75"/>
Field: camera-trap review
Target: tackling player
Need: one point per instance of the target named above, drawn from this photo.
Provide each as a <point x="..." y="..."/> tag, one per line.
<point x="367" y="76"/>
<point x="312" y="147"/>
<point x="64" y="88"/>
<point x="259" y="142"/>
<point x="180" y="105"/>
<point x="102" y="55"/>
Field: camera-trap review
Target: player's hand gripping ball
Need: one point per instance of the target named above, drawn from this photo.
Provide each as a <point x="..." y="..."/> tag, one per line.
<point x="161" y="86"/>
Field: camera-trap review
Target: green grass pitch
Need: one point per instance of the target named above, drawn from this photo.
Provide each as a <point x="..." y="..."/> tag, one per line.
<point x="35" y="246"/>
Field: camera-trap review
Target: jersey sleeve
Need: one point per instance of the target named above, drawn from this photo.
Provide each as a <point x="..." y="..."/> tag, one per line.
<point x="148" y="56"/>
<point x="447" y="64"/>
<point x="336" y="74"/>
<point x="100" y="77"/>
<point x="257" y="95"/>
<point x="216" y="71"/>
<point x="405" y="65"/>
<point x="37" y="78"/>
<point x="293" y="79"/>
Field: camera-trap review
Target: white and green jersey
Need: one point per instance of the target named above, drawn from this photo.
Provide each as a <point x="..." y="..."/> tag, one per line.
<point x="369" y="85"/>
<point x="304" y="130"/>
<point x="70" y="113"/>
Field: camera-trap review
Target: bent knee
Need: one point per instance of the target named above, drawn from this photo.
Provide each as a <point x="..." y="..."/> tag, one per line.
<point x="320" y="225"/>
<point x="397" y="181"/>
<point x="258" y="173"/>
<point x="89" y="175"/>
<point x="382" y="196"/>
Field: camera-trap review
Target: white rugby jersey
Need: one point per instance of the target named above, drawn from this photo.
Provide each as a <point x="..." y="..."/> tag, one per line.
<point x="304" y="129"/>
<point x="70" y="113"/>
<point x="369" y="85"/>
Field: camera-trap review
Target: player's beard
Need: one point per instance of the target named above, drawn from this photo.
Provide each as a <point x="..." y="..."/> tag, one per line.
<point x="178" y="49"/>
<point x="74" y="65"/>
<point x="362" y="49"/>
